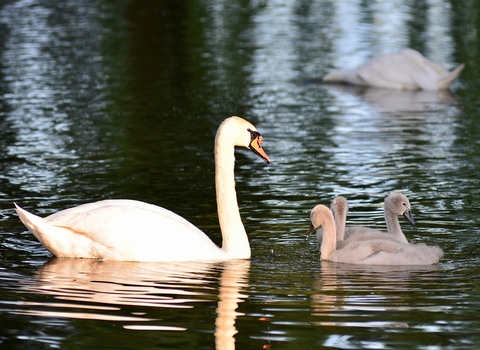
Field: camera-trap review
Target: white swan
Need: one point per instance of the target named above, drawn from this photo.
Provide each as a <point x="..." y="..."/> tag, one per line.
<point x="369" y="252"/>
<point x="395" y="204"/>
<point x="406" y="69"/>
<point x="135" y="231"/>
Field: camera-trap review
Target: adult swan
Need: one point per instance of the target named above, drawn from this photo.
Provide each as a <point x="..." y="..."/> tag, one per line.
<point x="130" y="230"/>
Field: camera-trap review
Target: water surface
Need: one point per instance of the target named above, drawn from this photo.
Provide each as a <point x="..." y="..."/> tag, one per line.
<point x="101" y="100"/>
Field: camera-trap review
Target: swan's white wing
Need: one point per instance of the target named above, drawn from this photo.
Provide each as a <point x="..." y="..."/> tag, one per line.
<point x="122" y="230"/>
<point x="394" y="70"/>
<point x="92" y="216"/>
<point x="406" y="69"/>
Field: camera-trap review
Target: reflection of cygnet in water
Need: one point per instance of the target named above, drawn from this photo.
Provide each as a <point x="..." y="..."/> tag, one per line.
<point x="395" y="204"/>
<point x="406" y="69"/>
<point x="379" y="251"/>
<point x="343" y="291"/>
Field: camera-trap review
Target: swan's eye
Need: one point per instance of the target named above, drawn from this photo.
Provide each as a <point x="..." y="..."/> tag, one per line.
<point x="254" y="135"/>
<point x="260" y="139"/>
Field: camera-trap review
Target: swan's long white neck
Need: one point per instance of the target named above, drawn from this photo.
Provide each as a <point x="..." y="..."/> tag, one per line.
<point x="235" y="239"/>
<point x="329" y="240"/>
<point x="393" y="226"/>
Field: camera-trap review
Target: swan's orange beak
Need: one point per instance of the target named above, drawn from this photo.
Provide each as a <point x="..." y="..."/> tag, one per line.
<point x="256" y="146"/>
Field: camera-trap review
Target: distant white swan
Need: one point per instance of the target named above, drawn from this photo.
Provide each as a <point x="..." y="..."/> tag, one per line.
<point x="136" y="231"/>
<point x="406" y="69"/>
<point x="369" y="252"/>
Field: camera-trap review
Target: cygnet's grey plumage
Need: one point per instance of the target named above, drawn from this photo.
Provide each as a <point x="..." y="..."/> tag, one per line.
<point x="395" y="204"/>
<point x="406" y="69"/>
<point x="369" y="252"/>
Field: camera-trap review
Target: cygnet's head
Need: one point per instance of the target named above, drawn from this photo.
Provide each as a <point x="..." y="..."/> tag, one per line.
<point x="399" y="204"/>
<point x="339" y="206"/>
<point x="317" y="217"/>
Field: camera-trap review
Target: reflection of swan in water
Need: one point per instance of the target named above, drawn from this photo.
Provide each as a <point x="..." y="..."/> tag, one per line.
<point x="343" y="292"/>
<point x="406" y="69"/>
<point x="101" y="288"/>
<point x="234" y="278"/>
<point x="398" y="100"/>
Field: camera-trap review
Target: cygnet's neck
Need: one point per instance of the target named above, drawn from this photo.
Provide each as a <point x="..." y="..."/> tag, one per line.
<point x="393" y="226"/>
<point x="339" y="210"/>
<point x="329" y="240"/>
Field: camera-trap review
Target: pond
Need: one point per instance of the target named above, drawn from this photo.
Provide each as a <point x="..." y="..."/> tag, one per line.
<point x="122" y="100"/>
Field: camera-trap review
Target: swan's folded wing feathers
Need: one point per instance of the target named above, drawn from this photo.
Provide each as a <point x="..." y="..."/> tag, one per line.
<point x="108" y="221"/>
<point x="389" y="71"/>
<point x="123" y="230"/>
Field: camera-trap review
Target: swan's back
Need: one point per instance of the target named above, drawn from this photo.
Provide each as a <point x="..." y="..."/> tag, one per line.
<point x="120" y="230"/>
<point x="412" y="72"/>
<point x="79" y="217"/>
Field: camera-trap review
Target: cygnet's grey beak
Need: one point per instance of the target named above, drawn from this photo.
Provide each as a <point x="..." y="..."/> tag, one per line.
<point x="408" y="215"/>
<point x="310" y="230"/>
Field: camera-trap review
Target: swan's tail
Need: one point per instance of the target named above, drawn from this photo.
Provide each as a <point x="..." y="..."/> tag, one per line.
<point x="32" y="222"/>
<point x="445" y="81"/>
<point x="58" y="240"/>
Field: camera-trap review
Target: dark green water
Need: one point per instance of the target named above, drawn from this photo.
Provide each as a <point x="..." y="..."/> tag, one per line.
<point x="122" y="100"/>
